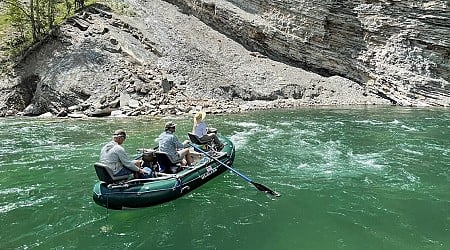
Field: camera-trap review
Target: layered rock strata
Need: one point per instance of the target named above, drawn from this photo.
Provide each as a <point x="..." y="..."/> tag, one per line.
<point x="398" y="49"/>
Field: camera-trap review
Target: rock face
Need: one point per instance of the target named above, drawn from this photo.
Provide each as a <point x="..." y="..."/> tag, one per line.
<point x="397" y="49"/>
<point x="156" y="60"/>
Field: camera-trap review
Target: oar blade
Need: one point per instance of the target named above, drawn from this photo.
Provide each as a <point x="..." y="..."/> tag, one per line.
<point x="265" y="189"/>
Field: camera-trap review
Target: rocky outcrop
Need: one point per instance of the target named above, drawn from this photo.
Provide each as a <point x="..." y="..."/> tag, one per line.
<point x="397" y="49"/>
<point x="158" y="61"/>
<point x="92" y="64"/>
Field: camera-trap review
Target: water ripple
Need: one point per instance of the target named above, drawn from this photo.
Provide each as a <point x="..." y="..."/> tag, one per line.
<point x="10" y="206"/>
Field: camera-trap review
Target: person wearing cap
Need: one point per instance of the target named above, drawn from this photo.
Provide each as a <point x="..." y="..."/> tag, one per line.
<point x="201" y="130"/>
<point x="113" y="155"/>
<point x="169" y="143"/>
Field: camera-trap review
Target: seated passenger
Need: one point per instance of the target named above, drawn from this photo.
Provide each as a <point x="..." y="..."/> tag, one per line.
<point x="177" y="151"/>
<point x="114" y="157"/>
<point x="201" y="130"/>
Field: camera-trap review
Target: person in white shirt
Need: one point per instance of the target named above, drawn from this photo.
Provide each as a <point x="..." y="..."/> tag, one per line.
<point x="201" y="130"/>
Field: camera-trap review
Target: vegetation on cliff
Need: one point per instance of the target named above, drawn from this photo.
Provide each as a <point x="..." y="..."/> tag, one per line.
<point x="25" y="24"/>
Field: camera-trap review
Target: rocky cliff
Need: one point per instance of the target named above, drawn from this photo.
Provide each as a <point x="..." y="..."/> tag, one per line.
<point x="178" y="56"/>
<point x="397" y="49"/>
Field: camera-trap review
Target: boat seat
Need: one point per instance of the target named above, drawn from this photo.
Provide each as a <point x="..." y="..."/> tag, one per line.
<point x="105" y="174"/>
<point x="205" y="144"/>
<point x="197" y="140"/>
<point x="165" y="164"/>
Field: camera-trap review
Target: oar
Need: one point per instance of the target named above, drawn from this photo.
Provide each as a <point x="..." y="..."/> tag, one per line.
<point x="259" y="186"/>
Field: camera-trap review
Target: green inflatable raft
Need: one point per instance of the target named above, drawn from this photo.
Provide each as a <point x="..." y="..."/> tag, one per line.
<point x="112" y="193"/>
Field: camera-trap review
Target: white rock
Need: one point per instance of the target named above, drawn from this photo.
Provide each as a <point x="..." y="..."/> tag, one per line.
<point x="46" y="115"/>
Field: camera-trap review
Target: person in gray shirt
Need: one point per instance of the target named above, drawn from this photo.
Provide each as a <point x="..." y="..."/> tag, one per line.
<point x="177" y="151"/>
<point x="113" y="155"/>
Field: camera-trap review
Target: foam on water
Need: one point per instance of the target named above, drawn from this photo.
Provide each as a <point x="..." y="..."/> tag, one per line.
<point x="371" y="122"/>
<point x="317" y="159"/>
<point x="24" y="203"/>
<point x="239" y="139"/>
<point x="24" y="196"/>
<point x="246" y="124"/>
<point x="249" y="129"/>
<point x="411" y="151"/>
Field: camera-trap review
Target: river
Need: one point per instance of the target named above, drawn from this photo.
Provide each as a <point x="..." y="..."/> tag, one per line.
<point x="349" y="178"/>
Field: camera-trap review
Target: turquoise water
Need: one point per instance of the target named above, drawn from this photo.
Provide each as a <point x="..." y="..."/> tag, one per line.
<point x="357" y="178"/>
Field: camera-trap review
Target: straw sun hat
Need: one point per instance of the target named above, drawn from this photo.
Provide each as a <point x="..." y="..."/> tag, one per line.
<point x="200" y="116"/>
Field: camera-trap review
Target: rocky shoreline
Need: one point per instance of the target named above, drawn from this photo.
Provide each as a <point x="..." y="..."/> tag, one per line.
<point x="159" y="61"/>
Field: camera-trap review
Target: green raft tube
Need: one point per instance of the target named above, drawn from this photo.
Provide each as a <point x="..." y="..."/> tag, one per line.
<point x="163" y="187"/>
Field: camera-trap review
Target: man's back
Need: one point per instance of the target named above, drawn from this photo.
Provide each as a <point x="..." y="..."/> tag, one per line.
<point x="114" y="156"/>
<point x="169" y="143"/>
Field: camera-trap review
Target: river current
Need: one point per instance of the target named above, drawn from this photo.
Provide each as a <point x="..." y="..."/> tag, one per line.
<point x="349" y="178"/>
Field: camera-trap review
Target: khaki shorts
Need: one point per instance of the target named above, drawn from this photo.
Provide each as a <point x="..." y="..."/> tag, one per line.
<point x="181" y="154"/>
